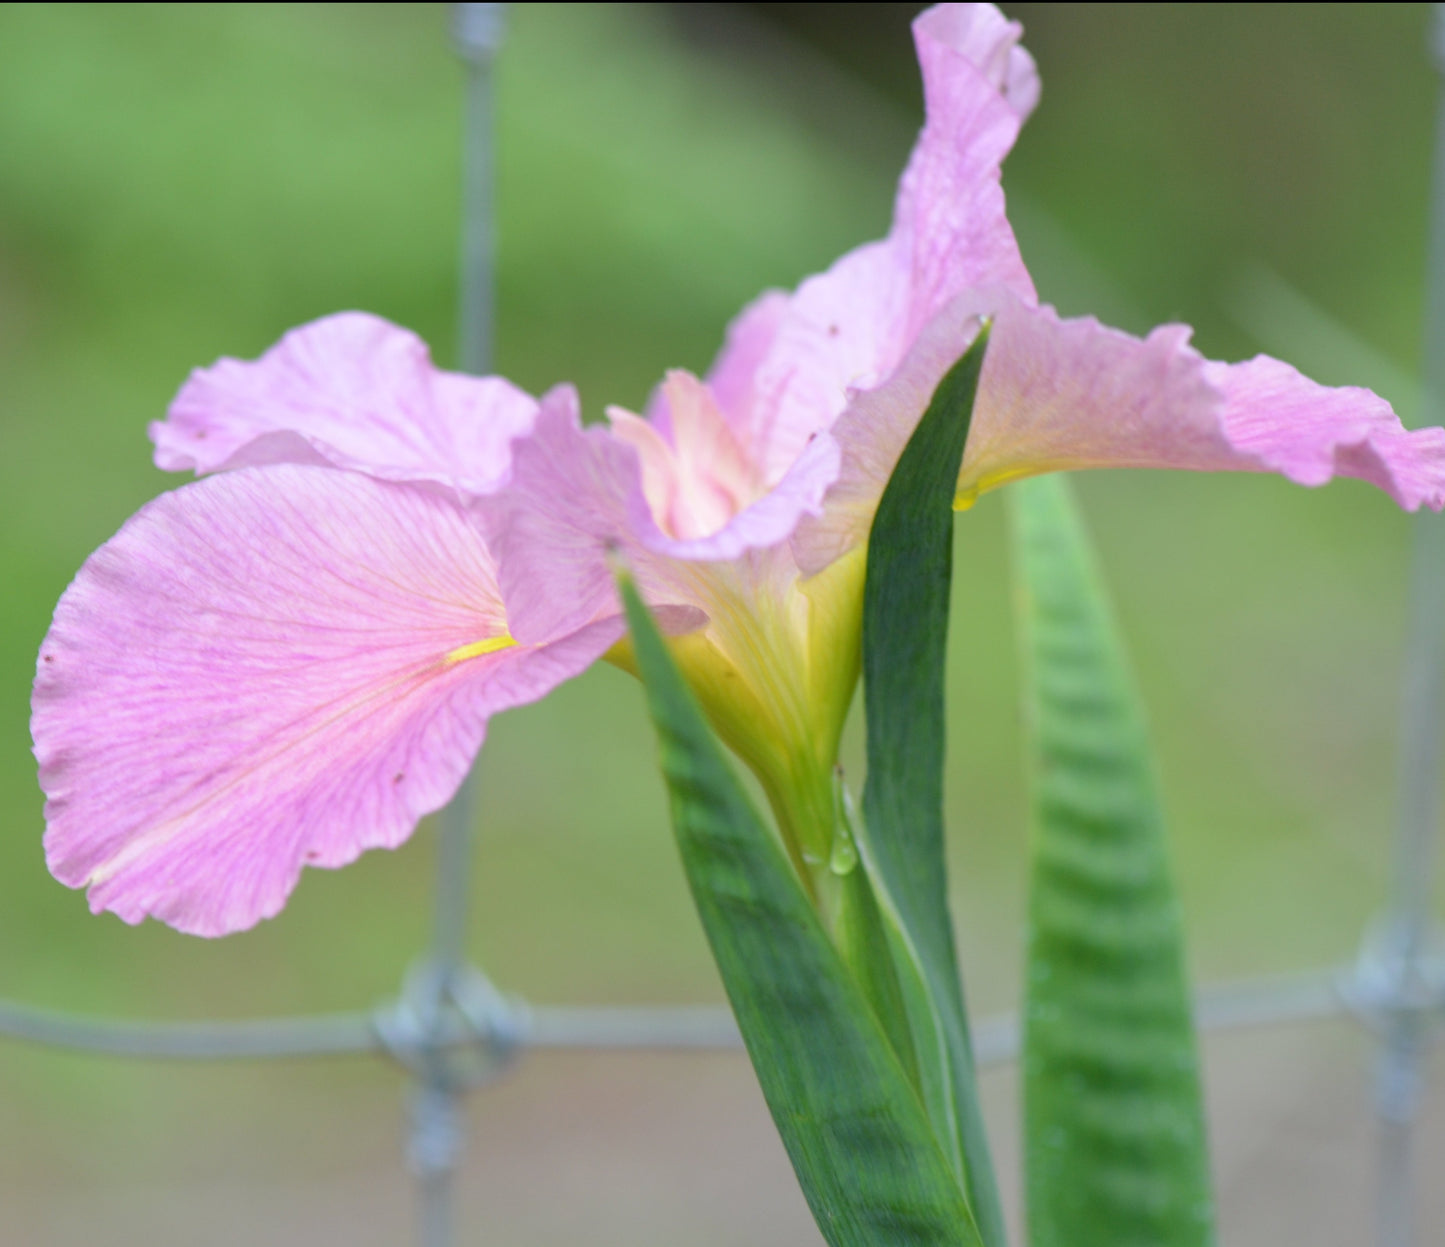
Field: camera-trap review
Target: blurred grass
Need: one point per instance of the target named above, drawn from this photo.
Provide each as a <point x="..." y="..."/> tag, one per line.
<point x="178" y="183"/>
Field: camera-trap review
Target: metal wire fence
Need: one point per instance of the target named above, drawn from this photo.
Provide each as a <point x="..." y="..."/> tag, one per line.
<point x="452" y="1031"/>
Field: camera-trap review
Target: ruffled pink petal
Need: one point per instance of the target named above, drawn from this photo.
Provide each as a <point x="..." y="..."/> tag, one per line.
<point x="772" y="519"/>
<point x="577" y="499"/>
<point x="790" y="362"/>
<point x="988" y="41"/>
<point x="1284" y="422"/>
<point x="1055" y="394"/>
<point x="353" y="391"/>
<point x="949" y="223"/>
<point x="734" y="374"/>
<point x="266" y="670"/>
<point x="576" y="495"/>
<point x="871" y="435"/>
<point x="1062" y="394"/>
<point x="842" y="329"/>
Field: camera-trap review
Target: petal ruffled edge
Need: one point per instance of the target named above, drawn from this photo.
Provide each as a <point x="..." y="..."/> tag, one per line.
<point x="350" y="390"/>
<point x="1064" y="395"/>
<point x="1281" y="421"/>
<point x="269" y="669"/>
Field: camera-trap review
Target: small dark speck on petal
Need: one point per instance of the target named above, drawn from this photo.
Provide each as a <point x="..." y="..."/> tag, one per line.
<point x="398" y="777"/>
<point x="49" y="657"/>
<point x="312" y="855"/>
<point x="832" y="331"/>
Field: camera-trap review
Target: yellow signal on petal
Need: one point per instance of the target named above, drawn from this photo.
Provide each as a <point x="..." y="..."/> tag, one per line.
<point x="477" y="648"/>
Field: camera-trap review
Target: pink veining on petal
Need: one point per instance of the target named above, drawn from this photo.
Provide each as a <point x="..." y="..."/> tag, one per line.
<point x="354" y="391"/>
<point x="843" y="329"/>
<point x="1055" y="394"/>
<point x="575" y="495"/>
<point x="790" y="361"/>
<point x="988" y="41"/>
<point x="733" y="377"/>
<point x="1059" y="394"/>
<point x="949" y="223"/>
<point x="267" y="670"/>
<point x="1284" y="422"/>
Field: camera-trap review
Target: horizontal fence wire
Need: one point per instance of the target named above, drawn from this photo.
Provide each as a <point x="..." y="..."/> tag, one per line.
<point x="510" y="1025"/>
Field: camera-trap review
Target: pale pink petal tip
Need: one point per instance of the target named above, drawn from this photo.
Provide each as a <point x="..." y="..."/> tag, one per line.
<point x="988" y="41"/>
<point x="354" y="391"/>
<point x="1310" y="433"/>
<point x="274" y="668"/>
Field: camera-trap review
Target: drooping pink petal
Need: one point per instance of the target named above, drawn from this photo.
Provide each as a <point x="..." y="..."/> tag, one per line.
<point x="268" y="669"/>
<point x="354" y="391"/>
<point x="1063" y="395"/>
<point x="1054" y="395"/>
<point x="1310" y="433"/>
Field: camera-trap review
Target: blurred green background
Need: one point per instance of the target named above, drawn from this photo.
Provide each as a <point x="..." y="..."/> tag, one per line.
<point x="178" y="183"/>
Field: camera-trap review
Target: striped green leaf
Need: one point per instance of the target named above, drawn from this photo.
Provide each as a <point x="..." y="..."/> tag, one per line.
<point x="859" y="1138"/>
<point x="1114" y="1131"/>
<point x="905" y="629"/>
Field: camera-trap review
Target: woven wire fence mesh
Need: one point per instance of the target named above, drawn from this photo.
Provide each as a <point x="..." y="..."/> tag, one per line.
<point x="451" y="1031"/>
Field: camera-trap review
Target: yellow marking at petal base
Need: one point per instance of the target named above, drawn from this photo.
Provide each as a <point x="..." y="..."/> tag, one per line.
<point x="477" y="648"/>
<point x="964" y="499"/>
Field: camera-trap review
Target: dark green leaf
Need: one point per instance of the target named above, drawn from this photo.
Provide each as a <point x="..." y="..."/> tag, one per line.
<point x="859" y="1139"/>
<point x="905" y="630"/>
<point x="1114" y="1131"/>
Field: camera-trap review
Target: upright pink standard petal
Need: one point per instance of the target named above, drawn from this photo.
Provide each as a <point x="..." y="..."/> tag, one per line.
<point x="269" y="669"/>
<point x="949" y="224"/>
<point x="791" y="361"/>
<point x="353" y="391"/>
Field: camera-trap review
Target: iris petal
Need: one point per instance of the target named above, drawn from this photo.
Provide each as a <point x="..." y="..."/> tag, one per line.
<point x="271" y="668"/>
<point x="352" y="391"/>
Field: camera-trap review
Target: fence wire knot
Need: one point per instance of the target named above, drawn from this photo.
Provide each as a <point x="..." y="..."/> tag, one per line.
<point x="451" y="1027"/>
<point x="1398" y="977"/>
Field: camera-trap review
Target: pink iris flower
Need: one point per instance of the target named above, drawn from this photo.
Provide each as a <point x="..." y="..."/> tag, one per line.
<point x="749" y="495"/>
<point x="295" y="660"/>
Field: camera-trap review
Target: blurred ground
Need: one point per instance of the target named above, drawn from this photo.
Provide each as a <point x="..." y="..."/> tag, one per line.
<point x="179" y="183"/>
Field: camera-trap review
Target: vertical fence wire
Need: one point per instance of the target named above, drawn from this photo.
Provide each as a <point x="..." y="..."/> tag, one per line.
<point x="1402" y="954"/>
<point x="437" y="987"/>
